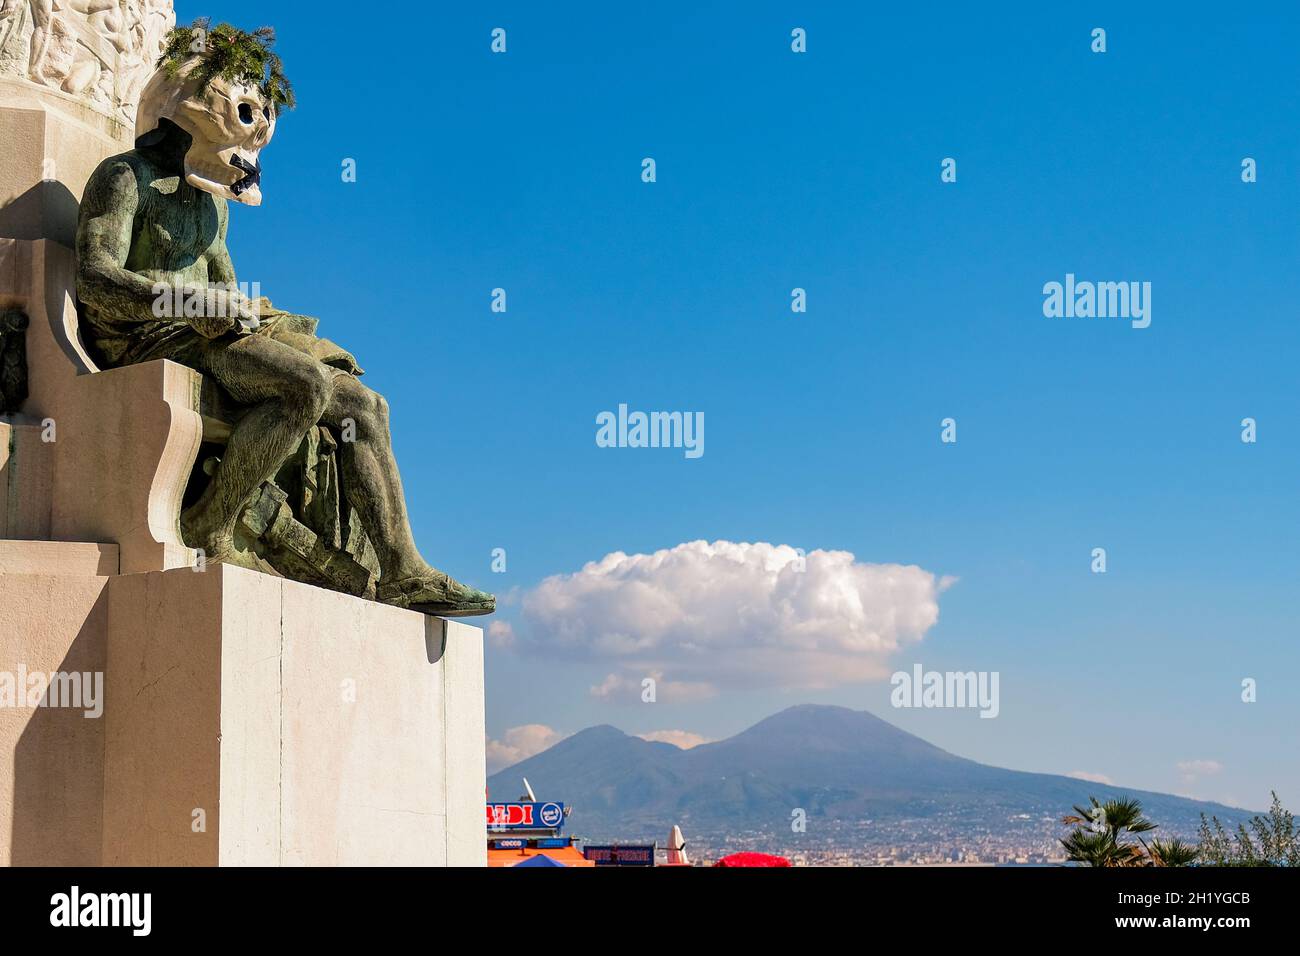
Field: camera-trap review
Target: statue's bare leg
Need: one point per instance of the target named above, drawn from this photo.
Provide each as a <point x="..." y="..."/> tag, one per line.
<point x="288" y="392"/>
<point x="374" y="488"/>
<point x="370" y="474"/>
<point x="42" y="19"/>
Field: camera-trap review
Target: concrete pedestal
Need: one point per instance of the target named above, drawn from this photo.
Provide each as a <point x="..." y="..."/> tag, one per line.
<point x="247" y="720"/>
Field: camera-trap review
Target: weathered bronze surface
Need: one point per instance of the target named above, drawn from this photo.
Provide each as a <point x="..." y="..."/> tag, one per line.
<point x="297" y="473"/>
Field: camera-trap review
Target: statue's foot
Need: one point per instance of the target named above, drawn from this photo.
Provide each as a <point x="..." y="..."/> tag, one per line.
<point x="217" y="544"/>
<point x="435" y="593"/>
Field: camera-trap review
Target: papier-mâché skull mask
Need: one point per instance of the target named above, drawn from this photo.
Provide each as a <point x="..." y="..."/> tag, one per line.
<point x="229" y="123"/>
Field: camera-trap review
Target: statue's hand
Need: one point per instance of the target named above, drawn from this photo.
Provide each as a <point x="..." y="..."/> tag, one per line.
<point x="222" y="311"/>
<point x="246" y="311"/>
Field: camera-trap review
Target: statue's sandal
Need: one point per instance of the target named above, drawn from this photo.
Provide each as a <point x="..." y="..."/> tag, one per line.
<point x="436" y="593"/>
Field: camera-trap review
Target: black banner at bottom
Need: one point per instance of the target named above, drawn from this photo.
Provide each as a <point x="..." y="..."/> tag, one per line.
<point x="336" y="906"/>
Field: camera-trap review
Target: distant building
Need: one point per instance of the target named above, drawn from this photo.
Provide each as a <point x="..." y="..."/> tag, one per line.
<point x="525" y="829"/>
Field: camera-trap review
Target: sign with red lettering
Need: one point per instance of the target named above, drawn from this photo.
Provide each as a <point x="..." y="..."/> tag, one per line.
<point x="524" y="816"/>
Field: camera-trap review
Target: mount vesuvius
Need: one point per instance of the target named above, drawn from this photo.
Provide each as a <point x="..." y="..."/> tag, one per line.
<point x="834" y="763"/>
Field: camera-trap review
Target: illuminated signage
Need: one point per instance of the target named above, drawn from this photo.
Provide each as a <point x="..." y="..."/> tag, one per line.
<point x="525" y="816"/>
<point x="620" y="855"/>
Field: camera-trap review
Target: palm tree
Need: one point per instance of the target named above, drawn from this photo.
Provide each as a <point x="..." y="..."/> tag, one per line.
<point x="1097" y="839"/>
<point x="1173" y="852"/>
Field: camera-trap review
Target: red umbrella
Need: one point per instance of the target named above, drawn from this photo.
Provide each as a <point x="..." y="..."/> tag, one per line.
<point x="752" y="859"/>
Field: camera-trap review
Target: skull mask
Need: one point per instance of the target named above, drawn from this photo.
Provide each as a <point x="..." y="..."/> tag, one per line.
<point x="229" y="124"/>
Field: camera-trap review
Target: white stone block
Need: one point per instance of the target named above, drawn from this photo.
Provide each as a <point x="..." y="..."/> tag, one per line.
<point x="308" y="727"/>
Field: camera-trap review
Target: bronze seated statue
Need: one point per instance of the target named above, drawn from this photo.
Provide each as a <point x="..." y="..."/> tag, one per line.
<point x="306" y="484"/>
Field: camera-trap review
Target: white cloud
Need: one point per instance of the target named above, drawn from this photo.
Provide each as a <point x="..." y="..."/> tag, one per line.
<point x="684" y="739"/>
<point x="520" y="743"/>
<point x="707" y="615"/>
<point x="1199" y="768"/>
<point x="650" y="689"/>
<point x="1091" y="777"/>
<point x="501" y="635"/>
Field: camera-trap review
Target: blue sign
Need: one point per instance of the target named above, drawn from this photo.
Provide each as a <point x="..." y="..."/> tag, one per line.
<point x="524" y="816"/>
<point x="551" y="815"/>
<point x="621" y="855"/>
<point x="509" y="844"/>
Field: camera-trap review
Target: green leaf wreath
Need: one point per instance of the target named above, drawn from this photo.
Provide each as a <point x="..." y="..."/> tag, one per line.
<point x="230" y="53"/>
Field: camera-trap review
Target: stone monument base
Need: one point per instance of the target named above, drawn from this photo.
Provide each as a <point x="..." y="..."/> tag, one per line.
<point x="244" y="720"/>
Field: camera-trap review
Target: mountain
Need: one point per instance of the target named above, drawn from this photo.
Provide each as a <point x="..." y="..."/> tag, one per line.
<point x="838" y="765"/>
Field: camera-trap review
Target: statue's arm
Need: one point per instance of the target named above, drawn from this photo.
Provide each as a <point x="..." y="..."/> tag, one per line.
<point x="221" y="270"/>
<point x="104" y="228"/>
<point x="104" y="241"/>
<point x="220" y="266"/>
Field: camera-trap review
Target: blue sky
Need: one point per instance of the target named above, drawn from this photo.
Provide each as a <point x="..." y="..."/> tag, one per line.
<point x="822" y="171"/>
